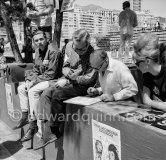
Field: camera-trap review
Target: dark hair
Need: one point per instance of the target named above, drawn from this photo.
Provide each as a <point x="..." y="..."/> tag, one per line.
<point x="66" y="41"/>
<point x="112" y="148"/>
<point x="36" y="32"/>
<point x="31" y="6"/>
<point x="162" y="54"/>
<point x="126" y="4"/>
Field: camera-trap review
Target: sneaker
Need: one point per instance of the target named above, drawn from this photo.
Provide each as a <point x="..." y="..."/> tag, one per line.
<point x="30" y="132"/>
<point x="45" y="141"/>
<point x="23" y="121"/>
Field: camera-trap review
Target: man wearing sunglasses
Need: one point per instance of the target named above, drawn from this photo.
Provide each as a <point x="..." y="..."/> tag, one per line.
<point x="116" y="80"/>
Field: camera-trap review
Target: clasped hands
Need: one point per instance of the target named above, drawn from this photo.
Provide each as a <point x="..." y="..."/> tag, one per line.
<point x="104" y="97"/>
<point x="63" y="81"/>
<point x="28" y="85"/>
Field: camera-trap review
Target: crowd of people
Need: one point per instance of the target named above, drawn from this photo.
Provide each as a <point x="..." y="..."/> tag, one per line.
<point x="75" y="71"/>
<point x="57" y="77"/>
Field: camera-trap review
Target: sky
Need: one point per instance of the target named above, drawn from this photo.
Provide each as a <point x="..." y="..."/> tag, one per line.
<point x="156" y="7"/>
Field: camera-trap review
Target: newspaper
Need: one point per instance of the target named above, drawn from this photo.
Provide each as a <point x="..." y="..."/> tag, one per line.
<point x="80" y="100"/>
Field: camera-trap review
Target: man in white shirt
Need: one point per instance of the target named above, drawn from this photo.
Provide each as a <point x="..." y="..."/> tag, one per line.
<point x="116" y="80"/>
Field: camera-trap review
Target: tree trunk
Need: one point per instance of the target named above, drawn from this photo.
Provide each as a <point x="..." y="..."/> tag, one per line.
<point x="27" y="42"/>
<point x="58" y="25"/>
<point x="10" y="32"/>
<point x="28" y="50"/>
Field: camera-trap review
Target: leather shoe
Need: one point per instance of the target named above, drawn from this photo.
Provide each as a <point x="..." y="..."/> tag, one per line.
<point x="44" y="141"/>
<point x="29" y="134"/>
<point x="23" y="121"/>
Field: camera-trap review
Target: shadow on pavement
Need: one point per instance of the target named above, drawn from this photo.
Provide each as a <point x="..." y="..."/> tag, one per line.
<point x="10" y="148"/>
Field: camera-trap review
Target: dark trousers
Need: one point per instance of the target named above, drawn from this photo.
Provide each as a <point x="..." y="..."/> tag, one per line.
<point x="52" y="107"/>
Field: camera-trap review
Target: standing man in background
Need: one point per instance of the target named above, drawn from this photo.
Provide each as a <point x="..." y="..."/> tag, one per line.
<point x="127" y="21"/>
<point x="39" y="11"/>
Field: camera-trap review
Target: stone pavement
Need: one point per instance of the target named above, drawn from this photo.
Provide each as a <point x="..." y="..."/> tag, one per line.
<point x="11" y="148"/>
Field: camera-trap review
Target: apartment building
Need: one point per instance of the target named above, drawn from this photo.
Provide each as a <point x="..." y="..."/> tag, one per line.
<point x="135" y="5"/>
<point x="97" y="22"/>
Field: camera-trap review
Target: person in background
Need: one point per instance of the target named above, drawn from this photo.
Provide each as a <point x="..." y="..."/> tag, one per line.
<point x="144" y="27"/>
<point x="116" y="80"/>
<point x="147" y="58"/>
<point x="39" y="12"/>
<point x="2" y="45"/>
<point x="157" y="26"/>
<point x="2" y="57"/>
<point x="127" y="21"/>
<point x="64" y="47"/>
<point x="78" y="76"/>
<point x="47" y="67"/>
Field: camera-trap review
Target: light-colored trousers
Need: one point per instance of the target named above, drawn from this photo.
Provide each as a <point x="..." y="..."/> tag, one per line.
<point x="125" y="44"/>
<point x="29" y="100"/>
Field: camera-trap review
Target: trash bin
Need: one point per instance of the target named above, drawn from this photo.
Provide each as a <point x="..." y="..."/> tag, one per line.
<point x="16" y="72"/>
<point x="10" y="105"/>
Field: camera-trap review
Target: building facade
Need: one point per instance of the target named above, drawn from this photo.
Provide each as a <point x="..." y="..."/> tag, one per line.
<point x="97" y="22"/>
<point x="135" y="5"/>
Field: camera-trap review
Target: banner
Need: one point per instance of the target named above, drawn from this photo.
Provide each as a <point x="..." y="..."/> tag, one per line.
<point x="106" y="142"/>
<point x="67" y="5"/>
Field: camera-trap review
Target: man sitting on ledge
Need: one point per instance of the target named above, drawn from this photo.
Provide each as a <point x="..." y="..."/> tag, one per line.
<point x="116" y="80"/>
<point x="78" y="77"/>
<point x="47" y="67"/>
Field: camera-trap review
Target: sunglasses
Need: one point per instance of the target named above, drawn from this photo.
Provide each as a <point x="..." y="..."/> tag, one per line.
<point x="137" y="63"/>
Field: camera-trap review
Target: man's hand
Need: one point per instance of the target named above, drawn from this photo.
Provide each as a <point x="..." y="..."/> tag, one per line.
<point x="28" y="85"/>
<point x="72" y="76"/>
<point x="92" y="91"/>
<point x="107" y="98"/>
<point x="67" y="71"/>
<point x="61" y="83"/>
